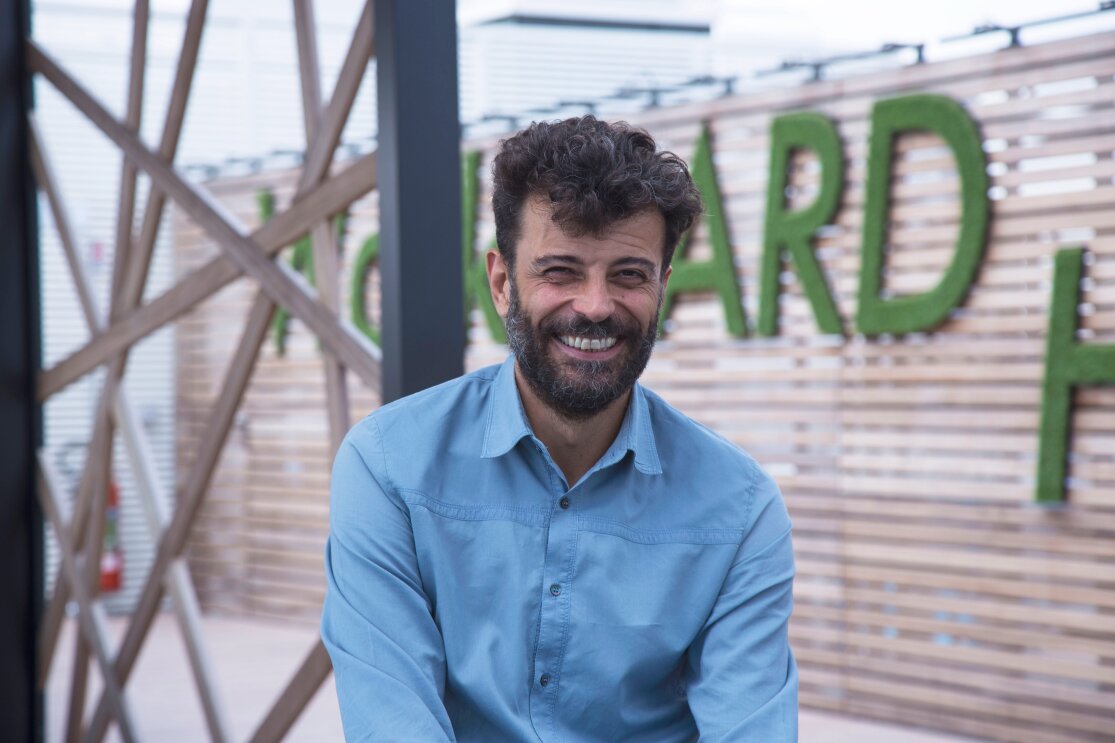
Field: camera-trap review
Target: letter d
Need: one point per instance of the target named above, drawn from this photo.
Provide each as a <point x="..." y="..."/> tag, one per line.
<point x="947" y="119"/>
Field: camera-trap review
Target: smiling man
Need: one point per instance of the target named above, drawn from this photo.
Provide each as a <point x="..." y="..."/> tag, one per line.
<point x="545" y="550"/>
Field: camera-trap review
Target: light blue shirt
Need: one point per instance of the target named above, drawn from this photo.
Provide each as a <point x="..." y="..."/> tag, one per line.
<point x="474" y="595"/>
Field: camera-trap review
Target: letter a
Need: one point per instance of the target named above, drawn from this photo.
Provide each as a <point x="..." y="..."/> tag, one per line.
<point x="794" y="230"/>
<point x="719" y="273"/>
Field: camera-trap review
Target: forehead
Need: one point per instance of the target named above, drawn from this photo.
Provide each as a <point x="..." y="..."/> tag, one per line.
<point x="641" y="235"/>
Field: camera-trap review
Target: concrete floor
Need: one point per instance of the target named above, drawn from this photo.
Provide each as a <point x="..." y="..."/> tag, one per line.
<point x="253" y="661"/>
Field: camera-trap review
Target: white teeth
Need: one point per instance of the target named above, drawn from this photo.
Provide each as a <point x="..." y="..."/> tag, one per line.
<point x="587" y="344"/>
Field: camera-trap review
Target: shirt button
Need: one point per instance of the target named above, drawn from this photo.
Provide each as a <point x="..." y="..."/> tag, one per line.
<point x="564" y="503"/>
<point x="555" y="588"/>
<point x="545" y="680"/>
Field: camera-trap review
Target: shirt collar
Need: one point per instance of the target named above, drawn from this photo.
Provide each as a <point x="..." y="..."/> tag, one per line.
<point x="507" y="424"/>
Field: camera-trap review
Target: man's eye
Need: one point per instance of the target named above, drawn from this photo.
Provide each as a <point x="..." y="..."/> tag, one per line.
<point x="631" y="275"/>
<point x="558" y="272"/>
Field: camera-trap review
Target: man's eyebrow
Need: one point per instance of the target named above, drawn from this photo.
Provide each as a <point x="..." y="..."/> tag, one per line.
<point x="549" y="260"/>
<point x="544" y="261"/>
<point x="633" y="261"/>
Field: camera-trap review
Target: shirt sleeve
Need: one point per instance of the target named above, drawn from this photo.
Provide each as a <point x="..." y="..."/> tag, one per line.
<point x="743" y="682"/>
<point x="377" y="624"/>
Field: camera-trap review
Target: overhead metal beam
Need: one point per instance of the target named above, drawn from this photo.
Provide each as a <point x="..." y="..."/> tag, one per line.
<point x="420" y="194"/>
<point x="21" y="549"/>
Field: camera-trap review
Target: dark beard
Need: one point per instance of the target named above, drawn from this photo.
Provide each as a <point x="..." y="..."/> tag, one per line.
<point x="572" y="388"/>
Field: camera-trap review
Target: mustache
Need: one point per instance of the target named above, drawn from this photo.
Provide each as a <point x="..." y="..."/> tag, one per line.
<point x="583" y="327"/>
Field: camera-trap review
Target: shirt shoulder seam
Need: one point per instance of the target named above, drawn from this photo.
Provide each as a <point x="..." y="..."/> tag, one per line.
<point x="383" y="453"/>
<point x="764" y="549"/>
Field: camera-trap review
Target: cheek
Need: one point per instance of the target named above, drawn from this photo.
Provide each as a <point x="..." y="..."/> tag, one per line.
<point x="542" y="301"/>
<point x="545" y="300"/>
<point x="640" y="303"/>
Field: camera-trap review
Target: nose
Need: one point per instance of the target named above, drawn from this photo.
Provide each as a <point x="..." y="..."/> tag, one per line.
<point x="594" y="300"/>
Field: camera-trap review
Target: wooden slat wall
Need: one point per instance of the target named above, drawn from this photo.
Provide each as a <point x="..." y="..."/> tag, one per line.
<point x="931" y="590"/>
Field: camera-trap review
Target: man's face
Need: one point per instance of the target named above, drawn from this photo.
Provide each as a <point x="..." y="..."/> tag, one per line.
<point x="581" y="312"/>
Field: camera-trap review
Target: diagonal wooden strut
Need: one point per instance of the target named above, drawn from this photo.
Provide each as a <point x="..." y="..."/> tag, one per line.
<point x="141" y="459"/>
<point x="98" y="458"/>
<point x="323" y="239"/>
<point x="125" y="210"/>
<point x="309" y="69"/>
<point x="168" y="147"/>
<point x="336" y="114"/>
<point x="280" y="282"/>
<point x="315" y="668"/>
<point x="332" y="196"/>
<point x="91" y="617"/>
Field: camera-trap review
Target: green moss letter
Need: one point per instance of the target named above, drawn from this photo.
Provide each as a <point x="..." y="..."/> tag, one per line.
<point x="366" y="259"/>
<point x="718" y="274"/>
<point x="794" y="230"/>
<point x="1067" y="364"/>
<point x="947" y="119"/>
<point x="474" y="266"/>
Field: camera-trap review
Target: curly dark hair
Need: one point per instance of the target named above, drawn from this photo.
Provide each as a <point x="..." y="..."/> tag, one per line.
<point x="594" y="173"/>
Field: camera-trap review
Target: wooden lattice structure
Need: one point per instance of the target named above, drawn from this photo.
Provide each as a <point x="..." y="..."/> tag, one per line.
<point x="931" y="589"/>
<point x="318" y="196"/>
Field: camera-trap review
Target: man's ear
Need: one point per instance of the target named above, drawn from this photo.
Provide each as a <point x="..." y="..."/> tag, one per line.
<point x="499" y="281"/>
<point x="666" y="277"/>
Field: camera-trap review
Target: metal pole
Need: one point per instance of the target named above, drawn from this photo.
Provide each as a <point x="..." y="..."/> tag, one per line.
<point x="21" y="562"/>
<point x="420" y="194"/>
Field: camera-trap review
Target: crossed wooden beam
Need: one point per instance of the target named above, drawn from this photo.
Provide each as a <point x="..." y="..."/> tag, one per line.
<point x="318" y="196"/>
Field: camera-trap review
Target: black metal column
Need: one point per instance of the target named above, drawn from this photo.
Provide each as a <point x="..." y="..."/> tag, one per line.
<point x="419" y="194"/>
<point x="20" y="520"/>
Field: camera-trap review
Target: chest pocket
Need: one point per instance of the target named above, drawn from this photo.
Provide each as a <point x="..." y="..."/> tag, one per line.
<point x="645" y="594"/>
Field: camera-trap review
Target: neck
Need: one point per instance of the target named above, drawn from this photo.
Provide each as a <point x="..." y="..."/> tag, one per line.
<point x="574" y="444"/>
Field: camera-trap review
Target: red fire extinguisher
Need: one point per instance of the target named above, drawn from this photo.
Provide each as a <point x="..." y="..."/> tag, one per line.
<point x="112" y="556"/>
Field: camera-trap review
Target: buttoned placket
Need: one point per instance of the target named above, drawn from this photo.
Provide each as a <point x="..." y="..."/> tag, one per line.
<point x="556" y="592"/>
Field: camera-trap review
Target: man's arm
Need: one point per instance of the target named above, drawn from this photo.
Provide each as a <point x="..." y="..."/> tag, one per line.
<point x="388" y="655"/>
<point x="743" y="683"/>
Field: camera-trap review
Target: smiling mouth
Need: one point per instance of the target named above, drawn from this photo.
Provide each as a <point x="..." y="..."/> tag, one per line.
<point x="587" y="344"/>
